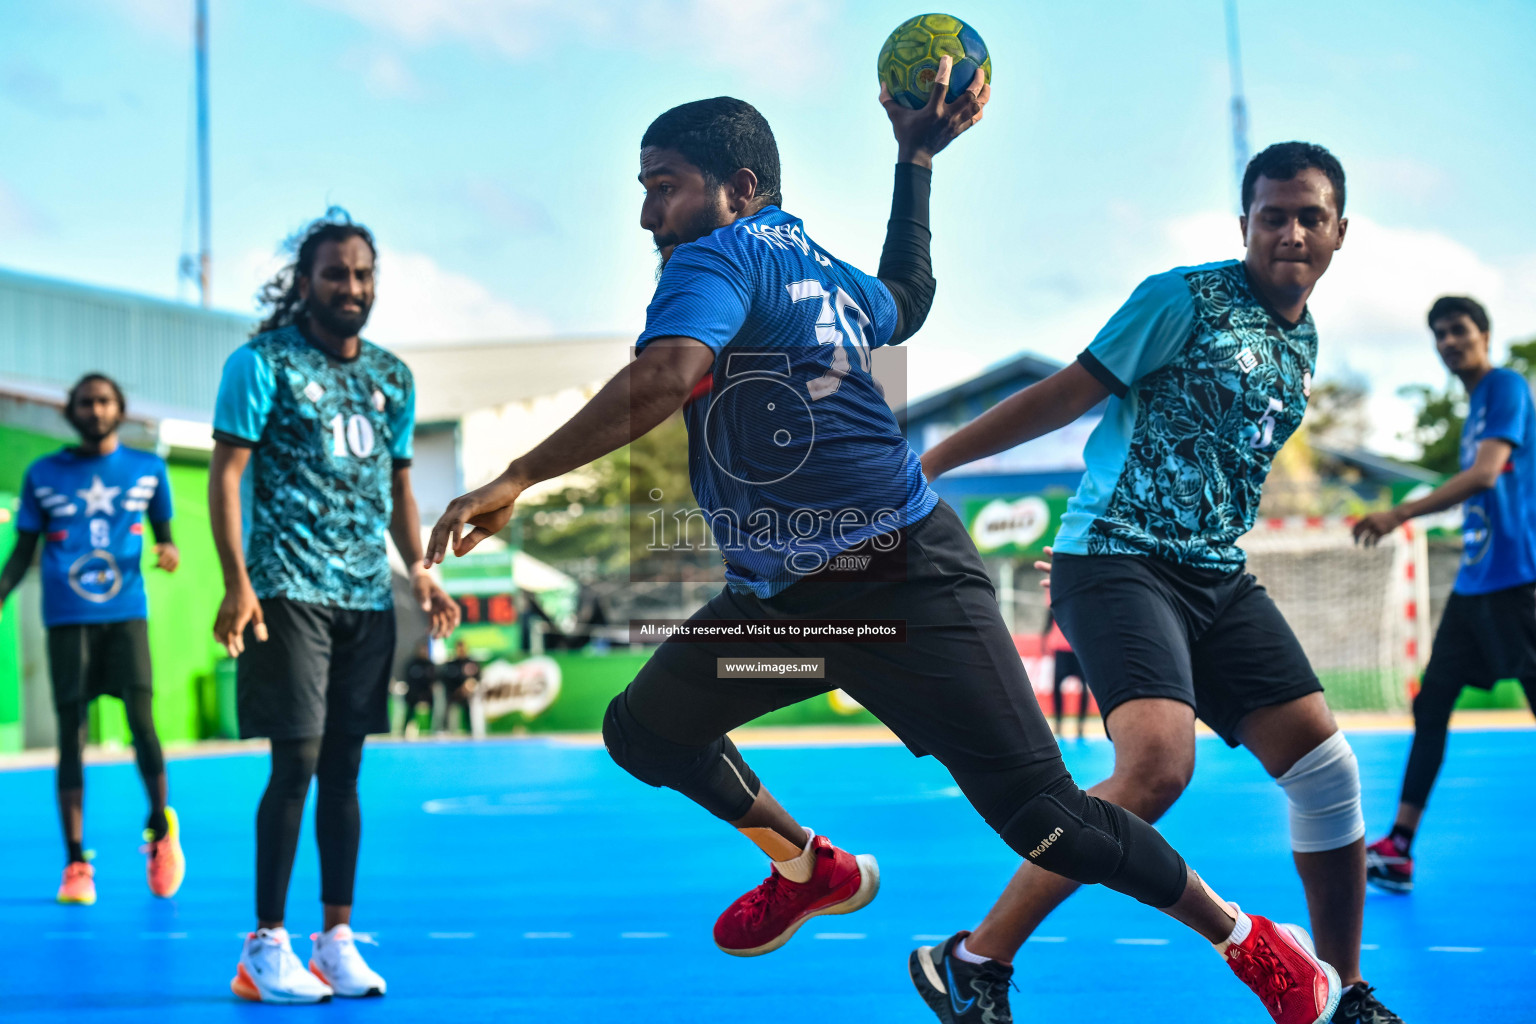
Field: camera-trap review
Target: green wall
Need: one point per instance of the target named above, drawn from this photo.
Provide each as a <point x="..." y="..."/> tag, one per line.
<point x="11" y="728"/>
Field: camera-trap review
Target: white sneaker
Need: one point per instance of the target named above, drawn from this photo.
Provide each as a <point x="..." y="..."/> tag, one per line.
<point x="337" y="962"/>
<point x="270" y="973"/>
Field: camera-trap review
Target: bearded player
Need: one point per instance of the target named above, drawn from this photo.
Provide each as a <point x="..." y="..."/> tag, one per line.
<point x="763" y="339"/>
<point x="1207" y="371"/>
<point x="324" y="422"/>
<point x="88" y="503"/>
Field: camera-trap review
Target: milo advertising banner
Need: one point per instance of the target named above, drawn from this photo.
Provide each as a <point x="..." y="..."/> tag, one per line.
<point x="1014" y="527"/>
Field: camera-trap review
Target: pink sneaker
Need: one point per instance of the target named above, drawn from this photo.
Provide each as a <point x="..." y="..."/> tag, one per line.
<point x="167" y="865"/>
<point x="79" y="885"/>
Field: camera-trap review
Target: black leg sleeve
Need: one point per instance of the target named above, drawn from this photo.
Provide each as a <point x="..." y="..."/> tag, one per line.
<point x="1431" y="721"/>
<point x="146" y="741"/>
<point x="72" y="725"/>
<point x="277" y="822"/>
<point x="338" y="820"/>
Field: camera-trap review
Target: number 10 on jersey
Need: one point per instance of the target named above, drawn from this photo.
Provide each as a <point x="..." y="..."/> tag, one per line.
<point x="351" y="434"/>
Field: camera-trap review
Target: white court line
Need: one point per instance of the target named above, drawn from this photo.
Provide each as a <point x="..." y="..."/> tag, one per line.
<point x="840" y="935"/>
<point x="1369" y="946"/>
<point x="546" y="935"/>
<point x="644" y="935"/>
<point x="1455" y="949"/>
<point x="929" y="938"/>
<point x="162" y="935"/>
<point x="1141" y="942"/>
<point x="450" y="935"/>
<point x="1047" y="938"/>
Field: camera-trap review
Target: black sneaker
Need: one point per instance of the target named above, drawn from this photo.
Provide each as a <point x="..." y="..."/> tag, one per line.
<point x="957" y="991"/>
<point x="1359" y="1005"/>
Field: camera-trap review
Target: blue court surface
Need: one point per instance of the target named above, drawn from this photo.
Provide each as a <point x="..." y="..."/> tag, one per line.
<point x="532" y="880"/>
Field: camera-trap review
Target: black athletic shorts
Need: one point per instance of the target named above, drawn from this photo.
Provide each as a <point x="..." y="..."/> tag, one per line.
<point x="95" y="659"/>
<point x="1145" y="627"/>
<point x="1484" y="638"/>
<point x="321" y="670"/>
<point x="955" y="688"/>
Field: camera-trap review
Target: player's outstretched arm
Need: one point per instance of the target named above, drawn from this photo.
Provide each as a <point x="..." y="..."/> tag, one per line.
<point x="637" y="399"/>
<point x="1492" y="456"/>
<point x="922" y="133"/>
<point x="906" y="266"/>
<point x="16" y="565"/>
<point x="1023" y="416"/>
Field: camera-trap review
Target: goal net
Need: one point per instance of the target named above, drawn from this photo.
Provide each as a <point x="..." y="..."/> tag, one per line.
<point x="1360" y="613"/>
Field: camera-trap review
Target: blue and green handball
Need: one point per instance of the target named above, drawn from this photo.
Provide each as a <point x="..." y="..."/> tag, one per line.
<point x="909" y="60"/>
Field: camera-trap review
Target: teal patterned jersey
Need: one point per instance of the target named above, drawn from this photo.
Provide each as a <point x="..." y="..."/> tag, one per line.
<point x="326" y="435"/>
<point x="1206" y="384"/>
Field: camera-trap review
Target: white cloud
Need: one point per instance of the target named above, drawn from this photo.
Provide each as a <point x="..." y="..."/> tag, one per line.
<point x="417" y="302"/>
<point x="771" y="40"/>
<point x="384" y="73"/>
<point x="167" y="19"/>
<point x="17" y="216"/>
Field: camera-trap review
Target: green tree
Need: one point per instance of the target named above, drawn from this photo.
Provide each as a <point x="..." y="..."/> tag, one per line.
<point x="584" y="527"/>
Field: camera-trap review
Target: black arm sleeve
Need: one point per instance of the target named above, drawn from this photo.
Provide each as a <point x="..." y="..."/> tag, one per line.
<point x="16" y="566"/>
<point x="906" y="268"/>
<point x="162" y="532"/>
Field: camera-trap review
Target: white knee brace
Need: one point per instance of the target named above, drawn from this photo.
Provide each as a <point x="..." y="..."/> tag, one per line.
<point x="1324" y="790"/>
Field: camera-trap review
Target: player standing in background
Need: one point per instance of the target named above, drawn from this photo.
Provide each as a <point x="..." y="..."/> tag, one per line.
<point x="1064" y="666"/>
<point x="89" y="502"/>
<point x="325" y="421"/>
<point x="764" y="340"/>
<point x="1488" y="630"/>
<point x="1207" y="371"/>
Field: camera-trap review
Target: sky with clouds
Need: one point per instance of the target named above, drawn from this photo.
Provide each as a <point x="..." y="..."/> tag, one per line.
<point x="492" y="145"/>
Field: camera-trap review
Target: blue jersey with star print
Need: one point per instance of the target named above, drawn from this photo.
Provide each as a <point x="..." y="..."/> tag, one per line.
<point x="1206" y="384"/>
<point x="326" y="434"/>
<point x="794" y="454"/>
<point x="90" y="510"/>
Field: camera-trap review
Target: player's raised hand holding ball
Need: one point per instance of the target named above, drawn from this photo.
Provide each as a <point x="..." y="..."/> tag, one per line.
<point x="934" y="83"/>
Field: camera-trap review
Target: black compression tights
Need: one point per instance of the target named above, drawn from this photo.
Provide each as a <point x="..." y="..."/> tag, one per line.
<point x="334" y="760"/>
<point x="74" y="721"/>
<point x="1431" y="720"/>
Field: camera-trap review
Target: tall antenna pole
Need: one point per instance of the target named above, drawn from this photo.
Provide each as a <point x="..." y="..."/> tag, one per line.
<point x="204" y="204"/>
<point x="1239" y="105"/>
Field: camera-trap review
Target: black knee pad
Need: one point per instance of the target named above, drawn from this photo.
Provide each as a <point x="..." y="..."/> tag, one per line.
<point x="1053" y="836"/>
<point x="1078" y="836"/>
<point x="713" y="776"/>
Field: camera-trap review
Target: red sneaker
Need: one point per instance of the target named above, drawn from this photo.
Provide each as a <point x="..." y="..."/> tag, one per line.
<point x="1276" y="961"/>
<point x="1388" y="867"/>
<point x="765" y="918"/>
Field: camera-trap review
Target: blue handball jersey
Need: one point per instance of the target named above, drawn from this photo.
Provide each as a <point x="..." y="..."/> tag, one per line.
<point x="1499" y="525"/>
<point x="793" y="452"/>
<point x="326" y="434"/>
<point x="1206" y="384"/>
<point x="90" y="510"/>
